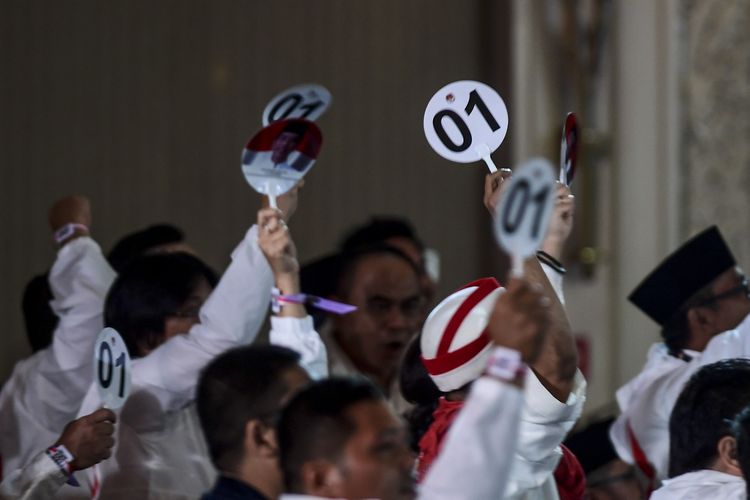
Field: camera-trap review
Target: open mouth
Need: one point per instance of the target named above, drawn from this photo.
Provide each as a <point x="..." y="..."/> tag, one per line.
<point x="395" y="348"/>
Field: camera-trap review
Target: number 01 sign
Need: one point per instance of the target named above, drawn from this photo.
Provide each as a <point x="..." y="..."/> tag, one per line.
<point x="522" y="217"/>
<point x="465" y="121"/>
<point x="112" y="368"/>
<point x="307" y="101"/>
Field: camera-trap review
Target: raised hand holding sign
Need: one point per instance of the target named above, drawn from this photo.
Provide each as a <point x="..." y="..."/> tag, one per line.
<point x="307" y="101"/>
<point x="522" y="217"/>
<point x="280" y="155"/>
<point x="111" y="368"/>
<point x="466" y="121"/>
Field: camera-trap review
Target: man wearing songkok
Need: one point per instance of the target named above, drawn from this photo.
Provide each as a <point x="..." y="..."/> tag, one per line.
<point x="45" y="390"/>
<point x="695" y="294"/>
<point x="339" y="439"/>
<point x="703" y="455"/>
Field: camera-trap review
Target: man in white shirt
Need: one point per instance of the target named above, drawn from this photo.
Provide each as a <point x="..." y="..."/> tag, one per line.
<point x="695" y="294"/>
<point x="339" y="439"/>
<point x="45" y="390"/>
<point x="161" y="452"/>
<point x="703" y="459"/>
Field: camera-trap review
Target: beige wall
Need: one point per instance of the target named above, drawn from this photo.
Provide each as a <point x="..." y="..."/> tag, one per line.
<point x="630" y="115"/>
<point x="144" y="106"/>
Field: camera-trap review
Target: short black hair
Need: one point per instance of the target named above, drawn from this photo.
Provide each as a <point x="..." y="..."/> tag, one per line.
<point x="350" y="260"/>
<point x="242" y="384"/>
<point x="314" y="424"/>
<point x="39" y="318"/>
<point x="149" y="290"/>
<point x="741" y="428"/>
<point x="703" y="413"/>
<point x="133" y="245"/>
<point x="377" y="230"/>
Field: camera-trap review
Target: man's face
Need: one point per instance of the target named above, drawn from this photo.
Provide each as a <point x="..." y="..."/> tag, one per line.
<point x="427" y="285"/>
<point x="376" y="461"/>
<point x="386" y="291"/>
<point x="731" y="301"/>
<point x="283" y="145"/>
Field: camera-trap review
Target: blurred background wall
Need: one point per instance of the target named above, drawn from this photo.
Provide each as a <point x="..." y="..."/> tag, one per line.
<point x="144" y="106"/>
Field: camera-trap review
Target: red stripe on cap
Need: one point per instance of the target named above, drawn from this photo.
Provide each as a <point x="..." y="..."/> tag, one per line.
<point x="459" y="357"/>
<point x="485" y="286"/>
<point x="445" y="360"/>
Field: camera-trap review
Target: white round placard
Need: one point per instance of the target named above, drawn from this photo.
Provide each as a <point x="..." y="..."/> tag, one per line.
<point x="465" y="121"/>
<point x="307" y="101"/>
<point x="523" y="215"/>
<point x="111" y="368"/>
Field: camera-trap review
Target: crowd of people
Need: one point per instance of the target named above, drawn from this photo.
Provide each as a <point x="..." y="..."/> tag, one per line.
<point x="471" y="396"/>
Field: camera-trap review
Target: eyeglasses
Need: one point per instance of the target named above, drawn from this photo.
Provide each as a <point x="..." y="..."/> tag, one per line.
<point x="742" y="287"/>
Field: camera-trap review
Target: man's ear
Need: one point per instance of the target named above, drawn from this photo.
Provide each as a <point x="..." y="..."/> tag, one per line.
<point x="260" y="439"/>
<point x="322" y="478"/>
<point x="728" y="462"/>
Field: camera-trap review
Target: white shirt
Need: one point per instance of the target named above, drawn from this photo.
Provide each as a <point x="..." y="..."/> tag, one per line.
<point x="45" y="390"/>
<point x="545" y="422"/>
<point x="647" y="400"/>
<point x="41" y="478"/>
<point x="702" y="485"/>
<point x="160" y="451"/>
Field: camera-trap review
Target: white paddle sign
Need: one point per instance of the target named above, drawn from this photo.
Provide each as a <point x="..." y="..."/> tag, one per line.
<point x="277" y="157"/>
<point x="307" y="101"/>
<point x="522" y="217"/>
<point x="466" y="121"/>
<point x="111" y="368"/>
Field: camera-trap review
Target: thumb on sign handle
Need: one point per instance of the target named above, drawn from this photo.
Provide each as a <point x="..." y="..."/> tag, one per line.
<point x="484" y="152"/>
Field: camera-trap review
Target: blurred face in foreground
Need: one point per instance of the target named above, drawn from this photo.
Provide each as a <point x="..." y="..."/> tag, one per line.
<point x="376" y="461"/>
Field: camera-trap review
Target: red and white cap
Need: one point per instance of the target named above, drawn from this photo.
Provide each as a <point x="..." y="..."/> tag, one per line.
<point x="455" y="344"/>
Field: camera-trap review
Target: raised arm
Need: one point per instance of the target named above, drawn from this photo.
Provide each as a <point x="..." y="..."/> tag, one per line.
<point x="557" y="364"/>
<point x="291" y="326"/>
<point x="79" y="279"/>
<point x="477" y="459"/>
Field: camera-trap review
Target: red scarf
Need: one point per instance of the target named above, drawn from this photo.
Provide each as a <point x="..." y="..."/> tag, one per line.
<point x="432" y="440"/>
<point x="569" y="476"/>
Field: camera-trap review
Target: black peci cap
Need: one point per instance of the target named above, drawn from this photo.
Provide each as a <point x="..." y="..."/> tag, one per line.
<point x="693" y="266"/>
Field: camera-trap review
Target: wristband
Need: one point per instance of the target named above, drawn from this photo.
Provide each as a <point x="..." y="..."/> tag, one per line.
<point x="551" y="261"/>
<point x="67" y="231"/>
<point x="505" y="364"/>
<point x="63" y="458"/>
<point x="278" y="300"/>
<point x="275" y="302"/>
